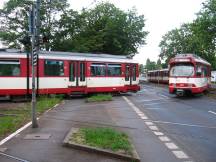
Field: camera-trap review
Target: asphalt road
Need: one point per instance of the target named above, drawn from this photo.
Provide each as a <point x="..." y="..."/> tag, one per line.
<point x="162" y="127"/>
<point x="190" y="122"/>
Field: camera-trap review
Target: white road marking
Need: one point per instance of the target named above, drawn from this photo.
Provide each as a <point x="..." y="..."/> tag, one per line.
<point x="164" y="96"/>
<point x="56" y="105"/>
<point x="148" y="123"/>
<point x="212" y="112"/>
<point x="171" y="146"/>
<point x="152" y="100"/>
<point x="15" y="133"/>
<point x="164" y="138"/>
<point x="140" y="114"/>
<point x="180" y="154"/>
<point x="144" y="117"/>
<point x="182" y="124"/>
<point x="137" y="111"/>
<point x="150" y="104"/>
<point x="158" y="133"/>
<point x="154" y="128"/>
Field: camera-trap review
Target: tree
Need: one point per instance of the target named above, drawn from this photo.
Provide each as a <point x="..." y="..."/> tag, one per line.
<point x="14" y="20"/>
<point x="198" y="37"/>
<point x="159" y="64"/>
<point x="141" y="68"/>
<point x="150" y="65"/>
<point x="177" y="41"/>
<point x="103" y="29"/>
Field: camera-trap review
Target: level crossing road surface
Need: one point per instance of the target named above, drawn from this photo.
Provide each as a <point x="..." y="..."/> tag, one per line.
<point x="190" y="122"/>
<point x="162" y="127"/>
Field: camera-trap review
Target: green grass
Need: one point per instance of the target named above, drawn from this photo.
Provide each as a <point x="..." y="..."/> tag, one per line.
<point x="105" y="138"/>
<point x="100" y="97"/>
<point x="13" y="118"/>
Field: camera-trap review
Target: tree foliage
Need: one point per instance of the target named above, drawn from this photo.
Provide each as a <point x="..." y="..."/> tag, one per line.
<point x="102" y="29"/>
<point x="14" y="19"/>
<point x="198" y="37"/>
<point x="141" y="68"/>
<point x="152" y="65"/>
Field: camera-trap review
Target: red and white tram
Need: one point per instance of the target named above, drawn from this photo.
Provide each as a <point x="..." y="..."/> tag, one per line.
<point x="67" y="73"/>
<point x="158" y="76"/>
<point x="189" y="73"/>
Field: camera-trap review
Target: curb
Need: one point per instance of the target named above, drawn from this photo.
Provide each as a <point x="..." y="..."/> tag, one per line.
<point x="9" y="137"/>
<point x="135" y="157"/>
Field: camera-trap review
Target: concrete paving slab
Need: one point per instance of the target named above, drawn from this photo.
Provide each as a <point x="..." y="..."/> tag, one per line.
<point x="37" y="136"/>
<point x="3" y="149"/>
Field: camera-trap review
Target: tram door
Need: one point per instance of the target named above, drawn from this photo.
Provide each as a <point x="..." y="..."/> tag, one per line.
<point x="130" y="74"/>
<point x="77" y="74"/>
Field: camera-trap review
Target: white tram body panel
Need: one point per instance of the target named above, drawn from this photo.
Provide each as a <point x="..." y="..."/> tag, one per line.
<point x="12" y="83"/>
<point x="104" y="82"/>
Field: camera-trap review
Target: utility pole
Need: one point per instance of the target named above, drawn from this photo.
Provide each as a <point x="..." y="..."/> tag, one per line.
<point x="34" y="24"/>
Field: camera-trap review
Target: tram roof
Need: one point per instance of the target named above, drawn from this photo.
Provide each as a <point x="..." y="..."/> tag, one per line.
<point x="194" y="57"/>
<point x="11" y="53"/>
<point x="158" y="70"/>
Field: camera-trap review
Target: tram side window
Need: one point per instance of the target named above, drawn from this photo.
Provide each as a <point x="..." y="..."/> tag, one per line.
<point x="199" y="70"/>
<point x="54" y="68"/>
<point x="98" y="69"/>
<point x="114" y="69"/>
<point x="82" y="71"/>
<point x="134" y="72"/>
<point x="9" y="68"/>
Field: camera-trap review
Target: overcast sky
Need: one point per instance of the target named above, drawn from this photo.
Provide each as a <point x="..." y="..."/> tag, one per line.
<point x="161" y="16"/>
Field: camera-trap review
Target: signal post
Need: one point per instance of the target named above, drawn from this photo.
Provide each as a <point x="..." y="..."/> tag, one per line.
<point x="34" y="24"/>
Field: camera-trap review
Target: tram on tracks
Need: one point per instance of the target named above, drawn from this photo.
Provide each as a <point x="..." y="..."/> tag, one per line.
<point x="189" y="73"/>
<point x="158" y="76"/>
<point x="67" y="73"/>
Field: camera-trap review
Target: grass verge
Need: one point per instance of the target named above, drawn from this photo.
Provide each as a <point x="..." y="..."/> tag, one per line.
<point x="100" y="97"/>
<point x="104" y="138"/>
<point x="12" y="118"/>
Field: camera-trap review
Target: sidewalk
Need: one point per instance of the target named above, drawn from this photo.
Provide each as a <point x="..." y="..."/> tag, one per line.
<point x="77" y="113"/>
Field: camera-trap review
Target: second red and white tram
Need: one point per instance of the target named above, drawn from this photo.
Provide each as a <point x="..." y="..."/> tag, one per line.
<point x="67" y="73"/>
<point x="188" y="73"/>
<point x="158" y="76"/>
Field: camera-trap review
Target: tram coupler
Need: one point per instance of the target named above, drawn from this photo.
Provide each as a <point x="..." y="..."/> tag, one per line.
<point x="180" y="92"/>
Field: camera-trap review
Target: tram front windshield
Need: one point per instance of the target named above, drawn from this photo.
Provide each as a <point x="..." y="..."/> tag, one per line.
<point x="182" y="70"/>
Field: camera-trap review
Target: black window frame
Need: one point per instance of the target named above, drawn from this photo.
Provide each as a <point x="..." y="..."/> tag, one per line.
<point x="46" y="72"/>
<point x="134" y="70"/>
<point x="72" y="73"/>
<point x="127" y="72"/>
<point x="82" y="71"/>
<point x="114" y="65"/>
<point x="100" y="65"/>
<point x="11" y="62"/>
